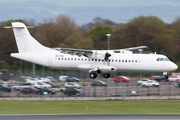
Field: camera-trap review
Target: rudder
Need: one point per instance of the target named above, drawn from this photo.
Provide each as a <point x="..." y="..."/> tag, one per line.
<point x="25" y="42"/>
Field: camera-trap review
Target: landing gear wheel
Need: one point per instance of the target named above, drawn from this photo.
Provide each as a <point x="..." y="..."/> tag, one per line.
<point x="107" y="75"/>
<point x="93" y="75"/>
<point x="166" y="77"/>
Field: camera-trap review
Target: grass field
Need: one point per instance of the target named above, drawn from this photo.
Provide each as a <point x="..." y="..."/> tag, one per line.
<point x="89" y="107"/>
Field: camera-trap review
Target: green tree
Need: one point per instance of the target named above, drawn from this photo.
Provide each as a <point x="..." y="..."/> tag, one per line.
<point x="77" y="41"/>
<point x="146" y="20"/>
<point x="100" y="31"/>
<point x="3" y="65"/>
<point x="8" y="22"/>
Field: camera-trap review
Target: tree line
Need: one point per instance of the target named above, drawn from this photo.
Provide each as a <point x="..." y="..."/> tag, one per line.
<point x="63" y="31"/>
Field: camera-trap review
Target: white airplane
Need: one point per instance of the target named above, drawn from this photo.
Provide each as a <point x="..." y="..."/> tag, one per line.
<point x="94" y="61"/>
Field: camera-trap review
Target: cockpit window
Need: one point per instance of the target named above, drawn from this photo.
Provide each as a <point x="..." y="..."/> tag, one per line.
<point x="162" y="59"/>
<point x="166" y="59"/>
<point x="158" y="59"/>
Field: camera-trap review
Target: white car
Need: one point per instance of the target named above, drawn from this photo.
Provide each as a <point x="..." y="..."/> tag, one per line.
<point x="42" y="85"/>
<point x="63" y="78"/>
<point x="32" y="80"/>
<point x="151" y="83"/>
<point x="35" y="80"/>
<point x="58" y="88"/>
<point x="22" y="85"/>
<point x="72" y="85"/>
<point x="142" y="81"/>
<point x="42" y="79"/>
<point x="174" y="78"/>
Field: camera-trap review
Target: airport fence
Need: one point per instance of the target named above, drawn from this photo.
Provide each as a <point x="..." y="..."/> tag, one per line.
<point x="121" y="89"/>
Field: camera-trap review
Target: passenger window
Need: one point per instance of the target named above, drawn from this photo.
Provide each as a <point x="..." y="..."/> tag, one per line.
<point x="61" y="58"/>
<point x="65" y="58"/>
<point x="68" y="58"/>
<point x="122" y="60"/>
<point x="126" y="60"/>
<point x="75" y="59"/>
<point x="116" y="60"/>
<point x="129" y="60"/>
<point x="112" y="60"/>
<point x="119" y="60"/>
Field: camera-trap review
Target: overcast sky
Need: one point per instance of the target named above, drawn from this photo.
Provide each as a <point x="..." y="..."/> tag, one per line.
<point x="106" y="2"/>
<point x="83" y="11"/>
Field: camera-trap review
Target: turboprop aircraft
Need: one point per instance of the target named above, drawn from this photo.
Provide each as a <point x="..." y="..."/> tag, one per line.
<point x="94" y="61"/>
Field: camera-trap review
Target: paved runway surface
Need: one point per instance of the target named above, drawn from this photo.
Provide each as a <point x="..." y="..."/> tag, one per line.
<point x="93" y="117"/>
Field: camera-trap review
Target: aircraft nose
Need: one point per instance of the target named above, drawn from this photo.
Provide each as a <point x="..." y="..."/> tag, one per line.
<point x="174" y="66"/>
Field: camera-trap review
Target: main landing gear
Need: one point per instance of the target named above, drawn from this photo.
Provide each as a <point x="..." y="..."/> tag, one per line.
<point x="166" y="76"/>
<point x="93" y="75"/>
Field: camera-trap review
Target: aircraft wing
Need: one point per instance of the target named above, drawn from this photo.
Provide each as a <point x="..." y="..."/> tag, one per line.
<point x="78" y="52"/>
<point x="134" y="48"/>
<point x="93" y="54"/>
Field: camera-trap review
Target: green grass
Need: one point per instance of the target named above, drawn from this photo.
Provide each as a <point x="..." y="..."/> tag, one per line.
<point x="95" y="107"/>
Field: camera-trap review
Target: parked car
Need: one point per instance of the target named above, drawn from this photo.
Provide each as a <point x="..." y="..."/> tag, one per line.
<point x="71" y="79"/>
<point x="72" y="85"/>
<point x="58" y="88"/>
<point x="151" y="83"/>
<point x="32" y="80"/>
<point x="159" y="78"/>
<point x="49" y="83"/>
<point x="5" y="88"/>
<point x="43" y="79"/>
<point x="98" y="83"/>
<point x="121" y="79"/>
<point x="29" y="90"/>
<point x="22" y="85"/>
<point x="35" y="80"/>
<point x="177" y="83"/>
<point x="43" y="91"/>
<point x="63" y="78"/>
<point x="143" y="80"/>
<point x="42" y="85"/>
<point x="51" y="78"/>
<point x="174" y="78"/>
<point x="72" y="91"/>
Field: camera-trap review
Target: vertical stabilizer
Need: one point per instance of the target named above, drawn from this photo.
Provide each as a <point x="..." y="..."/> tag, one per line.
<point x="25" y="42"/>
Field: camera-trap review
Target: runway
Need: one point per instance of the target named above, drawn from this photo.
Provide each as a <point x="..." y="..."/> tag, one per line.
<point x="92" y="117"/>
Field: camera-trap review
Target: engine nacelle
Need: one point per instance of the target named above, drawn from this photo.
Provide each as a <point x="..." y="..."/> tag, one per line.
<point x="103" y="69"/>
<point x="98" y="69"/>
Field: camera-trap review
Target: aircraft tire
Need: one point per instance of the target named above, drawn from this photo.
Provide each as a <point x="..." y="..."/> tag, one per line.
<point x="166" y="77"/>
<point x="92" y="75"/>
<point x="107" y="75"/>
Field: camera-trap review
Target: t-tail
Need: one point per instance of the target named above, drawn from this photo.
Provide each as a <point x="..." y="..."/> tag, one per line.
<point x="25" y="42"/>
